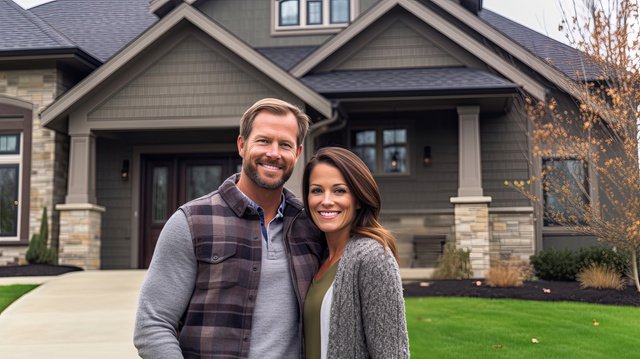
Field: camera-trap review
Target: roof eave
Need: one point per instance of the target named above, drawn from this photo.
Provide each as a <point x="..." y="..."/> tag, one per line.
<point x="507" y="91"/>
<point x="50" y="54"/>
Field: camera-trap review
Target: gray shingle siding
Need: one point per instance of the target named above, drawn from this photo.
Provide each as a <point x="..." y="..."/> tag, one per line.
<point x="504" y="147"/>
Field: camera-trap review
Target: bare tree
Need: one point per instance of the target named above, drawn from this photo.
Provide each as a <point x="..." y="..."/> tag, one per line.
<point x="588" y="141"/>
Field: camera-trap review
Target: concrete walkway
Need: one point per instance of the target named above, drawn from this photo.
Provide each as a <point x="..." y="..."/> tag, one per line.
<point x="87" y="314"/>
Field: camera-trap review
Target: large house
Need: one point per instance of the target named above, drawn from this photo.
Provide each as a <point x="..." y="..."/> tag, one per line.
<point x="114" y="112"/>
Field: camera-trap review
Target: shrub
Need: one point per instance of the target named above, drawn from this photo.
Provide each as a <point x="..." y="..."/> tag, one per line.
<point x="552" y="264"/>
<point x="508" y="273"/>
<point x="600" y="277"/>
<point x="603" y="256"/>
<point x="454" y="264"/>
<point x="38" y="251"/>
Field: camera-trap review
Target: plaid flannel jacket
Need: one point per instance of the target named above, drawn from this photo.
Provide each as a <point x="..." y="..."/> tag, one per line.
<point x="226" y="239"/>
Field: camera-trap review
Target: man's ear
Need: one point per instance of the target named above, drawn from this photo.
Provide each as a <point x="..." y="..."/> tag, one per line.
<point x="241" y="144"/>
<point x="298" y="152"/>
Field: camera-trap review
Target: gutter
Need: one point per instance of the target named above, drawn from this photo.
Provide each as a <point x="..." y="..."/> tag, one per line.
<point x="323" y="127"/>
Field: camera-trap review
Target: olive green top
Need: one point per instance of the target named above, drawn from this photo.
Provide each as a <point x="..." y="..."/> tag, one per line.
<point x="311" y="315"/>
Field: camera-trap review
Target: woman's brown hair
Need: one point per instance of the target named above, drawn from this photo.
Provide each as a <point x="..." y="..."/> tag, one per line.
<point x="364" y="188"/>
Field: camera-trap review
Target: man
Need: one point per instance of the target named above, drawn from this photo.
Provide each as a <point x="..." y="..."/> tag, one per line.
<point x="231" y="269"/>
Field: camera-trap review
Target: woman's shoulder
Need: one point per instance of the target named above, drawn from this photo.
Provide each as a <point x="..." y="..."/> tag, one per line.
<point x="366" y="249"/>
<point x="364" y="243"/>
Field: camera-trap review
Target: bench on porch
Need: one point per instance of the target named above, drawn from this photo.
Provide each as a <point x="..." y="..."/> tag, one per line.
<point x="427" y="249"/>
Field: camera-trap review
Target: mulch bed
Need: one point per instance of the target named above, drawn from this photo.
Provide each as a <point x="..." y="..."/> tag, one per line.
<point x="534" y="290"/>
<point x="30" y="270"/>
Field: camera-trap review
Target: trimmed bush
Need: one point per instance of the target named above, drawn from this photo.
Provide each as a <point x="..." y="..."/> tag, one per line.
<point x="454" y="264"/>
<point x="38" y="251"/>
<point x="552" y="264"/>
<point x="605" y="257"/>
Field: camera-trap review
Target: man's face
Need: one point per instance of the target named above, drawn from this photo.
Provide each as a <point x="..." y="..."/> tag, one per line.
<point x="270" y="152"/>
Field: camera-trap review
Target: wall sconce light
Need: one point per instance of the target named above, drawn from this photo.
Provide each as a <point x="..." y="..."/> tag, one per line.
<point x="394" y="162"/>
<point x="426" y="157"/>
<point x="124" y="172"/>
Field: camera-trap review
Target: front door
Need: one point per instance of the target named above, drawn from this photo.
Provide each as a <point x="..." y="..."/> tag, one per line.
<point x="169" y="181"/>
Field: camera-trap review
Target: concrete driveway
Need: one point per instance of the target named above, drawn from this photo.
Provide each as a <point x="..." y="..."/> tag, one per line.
<point x="87" y="314"/>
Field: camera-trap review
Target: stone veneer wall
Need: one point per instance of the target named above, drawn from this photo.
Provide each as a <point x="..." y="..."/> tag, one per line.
<point x="472" y="233"/>
<point x="40" y="87"/>
<point x="512" y="235"/>
<point x="80" y="235"/>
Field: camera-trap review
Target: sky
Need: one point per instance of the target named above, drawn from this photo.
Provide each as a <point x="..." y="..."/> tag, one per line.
<point x="540" y="15"/>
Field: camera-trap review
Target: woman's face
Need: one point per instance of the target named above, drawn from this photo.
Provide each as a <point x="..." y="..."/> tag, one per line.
<point x="331" y="203"/>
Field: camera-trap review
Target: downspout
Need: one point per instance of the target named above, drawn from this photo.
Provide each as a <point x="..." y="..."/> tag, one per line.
<point x="323" y="127"/>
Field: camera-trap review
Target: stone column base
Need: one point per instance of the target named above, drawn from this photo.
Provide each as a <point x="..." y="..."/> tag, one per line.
<point x="472" y="231"/>
<point x="79" y="241"/>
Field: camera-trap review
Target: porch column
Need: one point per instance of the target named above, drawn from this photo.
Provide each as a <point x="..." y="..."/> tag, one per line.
<point x="471" y="208"/>
<point x="80" y="216"/>
<point x="469" y="167"/>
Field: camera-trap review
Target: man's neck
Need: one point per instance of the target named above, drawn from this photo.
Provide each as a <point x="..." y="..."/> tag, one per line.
<point x="268" y="199"/>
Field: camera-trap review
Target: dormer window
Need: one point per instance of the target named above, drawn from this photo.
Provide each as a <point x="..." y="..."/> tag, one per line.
<point x="313" y="14"/>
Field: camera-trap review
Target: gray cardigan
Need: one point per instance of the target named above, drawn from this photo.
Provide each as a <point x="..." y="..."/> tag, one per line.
<point x="367" y="313"/>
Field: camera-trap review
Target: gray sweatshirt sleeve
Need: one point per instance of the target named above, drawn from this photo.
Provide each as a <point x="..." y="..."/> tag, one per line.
<point x="166" y="291"/>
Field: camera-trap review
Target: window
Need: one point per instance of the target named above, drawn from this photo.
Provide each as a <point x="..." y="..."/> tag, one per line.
<point x="15" y="168"/>
<point x="382" y="150"/>
<point x="565" y="188"/>
<point x="9" y="184"/>
<point x="313" y="14"/>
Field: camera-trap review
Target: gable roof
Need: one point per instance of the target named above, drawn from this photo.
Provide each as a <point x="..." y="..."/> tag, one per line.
<point x="185" y="13"/>
<point x="436" y="21"/>
<point x="519" y="52"/>
<point x="562" y="56"/>
<point x="99" y="27"/>
<point x="22" y="30"/>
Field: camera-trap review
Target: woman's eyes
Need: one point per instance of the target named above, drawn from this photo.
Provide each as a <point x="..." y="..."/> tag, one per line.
<point x="336" y="190"/>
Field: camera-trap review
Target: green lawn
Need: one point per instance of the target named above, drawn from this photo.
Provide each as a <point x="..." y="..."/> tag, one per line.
<point x="9" y="293"/>
<point x="492" y="328"/>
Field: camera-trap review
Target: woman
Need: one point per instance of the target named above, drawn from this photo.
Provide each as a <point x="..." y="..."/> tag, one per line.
<point x="354" y="307"/>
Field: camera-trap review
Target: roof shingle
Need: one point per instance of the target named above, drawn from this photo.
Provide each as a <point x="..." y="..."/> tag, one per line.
<point x="453" y="79"/>
<point x="22" y="30"/>
<point x="563" y="57"/>
<point x="99" y="27"/>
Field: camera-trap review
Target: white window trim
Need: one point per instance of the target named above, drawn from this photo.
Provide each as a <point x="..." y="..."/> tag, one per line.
<point x="302" y="27"/>
<point x="13" y="159"/>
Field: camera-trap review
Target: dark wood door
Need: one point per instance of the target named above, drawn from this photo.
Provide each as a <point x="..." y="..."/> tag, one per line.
<point x="168" y="181"/>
